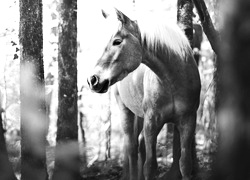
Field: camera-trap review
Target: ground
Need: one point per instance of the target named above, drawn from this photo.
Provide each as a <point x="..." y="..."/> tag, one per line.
<point x="111" y="169"/>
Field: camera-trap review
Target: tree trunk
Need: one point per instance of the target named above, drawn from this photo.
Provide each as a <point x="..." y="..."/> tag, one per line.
<point x="234" y="105"/>
<point x="32" y="92"/>
<point x="208" y="27"/>
<point x="108" y="130"/>
<point x="83" y="144"/>
<point x="184" y="18"/>
<point x="67" y="160"/>
<point x="6" y="170"/>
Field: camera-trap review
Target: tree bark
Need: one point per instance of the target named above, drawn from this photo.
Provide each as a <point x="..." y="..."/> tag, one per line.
<point x="208" y="27"/>
<point x="234" y="105"/>
<point x="108" y="130"/>
<point x="184" y="18"/>
<point x="83" y="144"/>
<point x="32" y="92"/>
<point x="67" y="160"/>
<point x="6" y="170"/>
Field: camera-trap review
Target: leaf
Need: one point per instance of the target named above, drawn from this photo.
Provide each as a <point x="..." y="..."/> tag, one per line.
<point x="13" y="43"/>
<point x="15" y="56"/>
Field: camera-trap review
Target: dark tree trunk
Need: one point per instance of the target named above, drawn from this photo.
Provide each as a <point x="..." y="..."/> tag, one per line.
<point x="32" y="92"/>
<point x="234" y="105"/>
<point x="6" y="170"/>
<point x="184" y="17"/>
<point x="208" y="27"/>
<point x="67" y="159"/>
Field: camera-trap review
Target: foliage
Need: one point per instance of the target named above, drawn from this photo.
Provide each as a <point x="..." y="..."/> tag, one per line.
<point x="213" y="9"/>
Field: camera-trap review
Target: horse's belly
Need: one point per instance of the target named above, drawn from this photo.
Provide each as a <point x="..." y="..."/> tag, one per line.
<point x="131" y="90"/>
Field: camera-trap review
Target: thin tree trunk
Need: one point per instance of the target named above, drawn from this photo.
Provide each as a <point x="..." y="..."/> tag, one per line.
<point x="6" y="170"/>
<point x="234" y="105"/>
<point x="83" y="144"/>
<point x="184" y="18"/>
<point x="108" y="130"/>
<point x="32" y="92"/>
<point x="208" y="27"/>
<point x="67" y="160"/>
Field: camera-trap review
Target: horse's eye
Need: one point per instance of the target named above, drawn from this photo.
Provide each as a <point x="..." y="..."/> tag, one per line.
<point x="117" y="42"/>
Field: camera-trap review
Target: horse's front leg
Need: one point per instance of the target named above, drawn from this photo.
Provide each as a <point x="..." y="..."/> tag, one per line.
<point x="141" y="147"/>
<point x="151" y="129"/>
<point x="186" y="129"/>
<point x="130" y="145"/>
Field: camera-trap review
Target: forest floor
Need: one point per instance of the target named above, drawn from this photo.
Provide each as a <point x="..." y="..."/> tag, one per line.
<point x="111" y="170"/>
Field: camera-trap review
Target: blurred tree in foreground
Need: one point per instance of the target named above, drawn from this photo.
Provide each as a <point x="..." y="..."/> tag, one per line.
<point x="32" y="92"/>
<point x="6" y="170"/>
<point x="67" y="160"/>
<point x="234" y="106"/>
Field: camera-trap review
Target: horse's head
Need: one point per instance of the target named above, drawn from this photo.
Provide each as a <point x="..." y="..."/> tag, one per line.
<point x="122" y="55"/>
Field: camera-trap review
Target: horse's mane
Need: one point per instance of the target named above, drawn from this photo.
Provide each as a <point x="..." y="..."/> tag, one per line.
<point x="157" y="33"/>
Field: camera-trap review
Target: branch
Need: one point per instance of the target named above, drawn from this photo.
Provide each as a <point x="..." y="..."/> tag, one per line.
<point x="208" y="27"/>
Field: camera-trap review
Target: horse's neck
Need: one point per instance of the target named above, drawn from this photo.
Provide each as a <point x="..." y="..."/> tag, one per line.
<point x="165" y="66"/>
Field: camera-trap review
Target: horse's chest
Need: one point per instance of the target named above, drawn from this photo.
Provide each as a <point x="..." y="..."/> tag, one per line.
<point x="131" y="90"/>
<point x="143" y="88"/>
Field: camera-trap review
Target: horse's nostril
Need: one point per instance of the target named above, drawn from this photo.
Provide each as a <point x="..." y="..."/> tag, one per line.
<point x="94" y="80"/>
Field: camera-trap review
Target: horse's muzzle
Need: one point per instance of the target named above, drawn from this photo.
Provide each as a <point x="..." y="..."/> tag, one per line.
<point x="96" y="85"/>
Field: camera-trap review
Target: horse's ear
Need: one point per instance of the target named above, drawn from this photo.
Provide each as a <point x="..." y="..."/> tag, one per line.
<point x="105" y="15"/>
<point x="122" y="17"/>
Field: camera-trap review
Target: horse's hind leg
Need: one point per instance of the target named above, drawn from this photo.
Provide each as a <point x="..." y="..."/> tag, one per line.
<point x="186" y="127"/>
<point x="174" y="172"/>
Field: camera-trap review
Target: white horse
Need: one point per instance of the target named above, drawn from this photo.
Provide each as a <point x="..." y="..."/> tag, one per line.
<point x="157" y="82"/>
